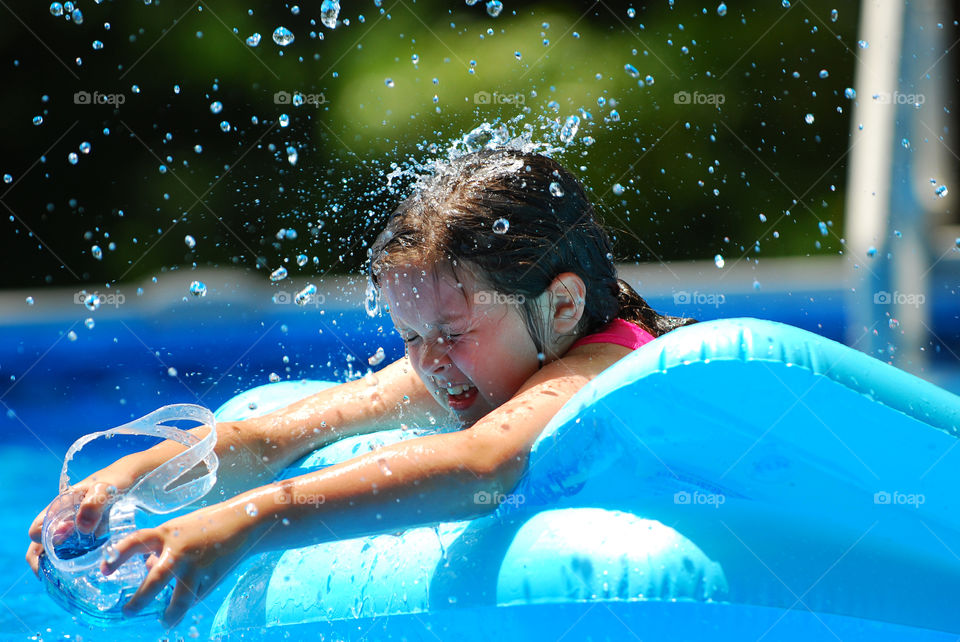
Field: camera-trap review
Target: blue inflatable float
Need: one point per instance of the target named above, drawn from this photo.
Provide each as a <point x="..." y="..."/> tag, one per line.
<point x="734" y="479"/>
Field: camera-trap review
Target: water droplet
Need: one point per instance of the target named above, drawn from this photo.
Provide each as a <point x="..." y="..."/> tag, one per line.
<point x="96" y="252"/>
<point x="329" y="11"/>
<point x="555" y="189"/>
<point x="111" y="554"/>
<point x="808" y="119"/>
<point x="718" y="261"/>
<point x="283" y="36"/>
<point x="72" y="335"/>
<point x="786" y="4"/>
<point x="56" y="9"/>
<point x="384" y="467"/>
<point x="284" y="120"/>
<point x="371" y="301"/>
<point x="274" y="377"/>
<point x="225" y="125"/>
<point x="494" y="7"/>
<point x="389" y="82"/>
<point x="823" y="228"/>
<point x="198" y="289"/>
<point x="834" y="15"/>
<point x="863" y="44"/>
<point x="171" y="372"/>
<point x="871" y="251"/>
<point x="905" y="143"/>
<point x="292" y="155"/>
<point x="893" y="323"/>
<point x="414" y="58"/>
<point x="89" y="322"/>
<point x="850" y="93"/>
<point x="190" y="241"/>
<point x="29" y="300"/>
<point x="305" y="295"/>
<point x="618" y="189"/>
<point x="569" y="129"/>
<point x="97" y="45"/>
<point x="38" y="120"/>
<point x="216" y="107"/>
<point x="377" y="357"/>
<point x="721" y="9"/>
<point x="7" y="178"/>
<point x="77" y="16"/>
<point x="92" y="302"/>
<point x="302" y="259"/>
<point x="253" y="39"/>
<point x="72" y="158"/>
<point x="648" y="80"/>
<point x="501" y="225"/>
<point x="279" y="274"/>
<point x="631" y="13"/>
<point x="630" y="69"/>
<point x="824" y="73"/>
<point x="763" y="218"/>
<point x="250" y="509"/>
<point x="941" y="191"/>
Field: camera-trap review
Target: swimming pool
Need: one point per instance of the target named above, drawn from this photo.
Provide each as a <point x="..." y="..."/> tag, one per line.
<point x="120" y="370"/>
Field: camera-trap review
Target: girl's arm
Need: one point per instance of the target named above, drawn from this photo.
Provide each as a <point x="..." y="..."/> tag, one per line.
<point x="411" y="483"/>
<point x="379" y="401"/>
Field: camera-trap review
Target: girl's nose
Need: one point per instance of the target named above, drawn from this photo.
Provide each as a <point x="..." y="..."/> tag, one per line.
<point x="434" y="358"/>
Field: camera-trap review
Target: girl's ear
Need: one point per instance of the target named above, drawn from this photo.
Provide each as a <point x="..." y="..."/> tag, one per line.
<point x="565" y="296"/>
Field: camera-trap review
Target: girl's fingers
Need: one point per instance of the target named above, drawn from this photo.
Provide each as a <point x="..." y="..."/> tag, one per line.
<point x="139" y="542"/>
<point x="33" y="557"/>
<point x="157" y="578"/>
<point x="92" y="506"/>
<point x="36" y="528"/>
<point x="184" y="595"/>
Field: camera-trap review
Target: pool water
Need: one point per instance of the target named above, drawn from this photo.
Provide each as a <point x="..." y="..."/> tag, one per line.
<point x="124" y="368"/>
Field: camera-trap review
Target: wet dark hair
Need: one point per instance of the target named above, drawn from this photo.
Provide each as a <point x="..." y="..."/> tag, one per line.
<point x="453" y="219"/>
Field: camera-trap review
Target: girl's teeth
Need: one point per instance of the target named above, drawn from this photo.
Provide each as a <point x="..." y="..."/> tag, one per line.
<point x="456" y="390"/>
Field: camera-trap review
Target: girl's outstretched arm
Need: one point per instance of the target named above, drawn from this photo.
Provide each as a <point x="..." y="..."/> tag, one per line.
<point x="411" y="483"/>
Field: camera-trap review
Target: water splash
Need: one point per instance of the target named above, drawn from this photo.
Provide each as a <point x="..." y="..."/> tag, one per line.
<point x="329" y="12"/>
<point x="283" y="36"/>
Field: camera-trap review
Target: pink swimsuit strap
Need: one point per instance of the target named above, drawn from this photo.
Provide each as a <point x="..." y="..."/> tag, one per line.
<point x="623" y="333"/>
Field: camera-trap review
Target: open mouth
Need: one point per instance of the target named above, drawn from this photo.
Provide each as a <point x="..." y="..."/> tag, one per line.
<point x="461" y="397"/>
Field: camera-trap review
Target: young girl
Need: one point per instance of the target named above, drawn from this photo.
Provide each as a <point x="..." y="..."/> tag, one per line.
<point x="500" y="281"/>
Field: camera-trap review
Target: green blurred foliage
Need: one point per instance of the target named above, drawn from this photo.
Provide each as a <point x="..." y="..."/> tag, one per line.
<point x="696" y="177"/>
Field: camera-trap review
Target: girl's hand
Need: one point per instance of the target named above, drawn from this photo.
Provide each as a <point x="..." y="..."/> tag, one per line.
<point x="96" y="492"/>
<point x="197" y="550"/>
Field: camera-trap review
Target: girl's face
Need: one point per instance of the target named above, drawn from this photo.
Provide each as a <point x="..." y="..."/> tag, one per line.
<point x="468" y="344"/>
